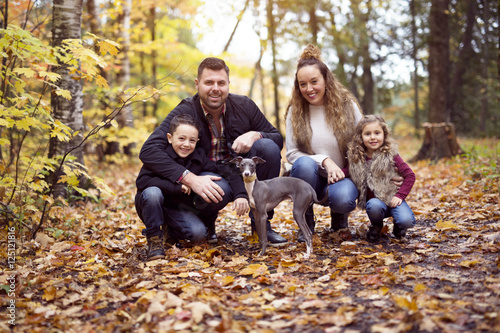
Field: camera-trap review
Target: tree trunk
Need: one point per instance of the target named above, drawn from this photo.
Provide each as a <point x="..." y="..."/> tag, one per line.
<point x="67" y="15"/>
<point x="239" y="17"/>
<point x="416" y="115"/>
<point x="125" y="118"/>
<point x="272" y="33"/>
<point x="152" y="15"/>
<point x="465" y="55"/>
<point x="440" y="140"/>
<point x="313" y="22"/>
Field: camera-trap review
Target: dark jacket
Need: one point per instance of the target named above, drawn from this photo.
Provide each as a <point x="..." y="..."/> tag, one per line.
<point x="196" y="163"/>
<point x="242" y="115"/>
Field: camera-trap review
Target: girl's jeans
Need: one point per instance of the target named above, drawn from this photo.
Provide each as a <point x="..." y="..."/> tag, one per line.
<point x="341" y="196"/>
<point x="402" y="215"/>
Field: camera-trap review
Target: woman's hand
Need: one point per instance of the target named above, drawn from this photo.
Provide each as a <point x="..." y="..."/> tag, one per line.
<point x="241" y="206"/>
<point x="335" y="174"/>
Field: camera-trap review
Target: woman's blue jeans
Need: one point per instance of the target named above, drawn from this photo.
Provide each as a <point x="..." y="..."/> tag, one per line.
<point x="342" y="195"/>
<point x="184" y="221"/>
<point x="402" y="215"/>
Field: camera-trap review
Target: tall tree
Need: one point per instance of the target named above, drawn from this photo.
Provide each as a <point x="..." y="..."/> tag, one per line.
<point x="272" y="38"/>
<point x="416" y="112"/>
<point x="66" y="24"/>
<point x="440" y="140"/>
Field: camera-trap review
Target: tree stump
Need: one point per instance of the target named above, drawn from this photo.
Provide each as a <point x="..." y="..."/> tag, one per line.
<point x="440" y="141"/>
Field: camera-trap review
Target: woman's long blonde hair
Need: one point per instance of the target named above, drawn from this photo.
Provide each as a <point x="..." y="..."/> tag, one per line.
<point x="339" y="110"/>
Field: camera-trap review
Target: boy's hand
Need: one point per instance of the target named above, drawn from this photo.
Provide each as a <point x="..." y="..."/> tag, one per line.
<point x="186" y="189"/>
<point x="395" y="202"/>
<point x="241" y="206"/>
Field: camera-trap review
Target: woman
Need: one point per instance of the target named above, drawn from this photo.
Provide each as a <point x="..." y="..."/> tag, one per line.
<point x="320" y="122"/>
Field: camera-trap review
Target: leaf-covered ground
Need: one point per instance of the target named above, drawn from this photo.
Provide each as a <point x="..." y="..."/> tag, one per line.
<point x="88" y="273"/>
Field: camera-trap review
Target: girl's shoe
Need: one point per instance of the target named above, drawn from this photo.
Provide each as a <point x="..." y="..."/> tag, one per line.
<point x="373" y="234"/>
<point x="398" y="233"/>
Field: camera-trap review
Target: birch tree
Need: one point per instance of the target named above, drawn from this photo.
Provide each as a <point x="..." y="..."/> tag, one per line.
<point x="66" y="18"/>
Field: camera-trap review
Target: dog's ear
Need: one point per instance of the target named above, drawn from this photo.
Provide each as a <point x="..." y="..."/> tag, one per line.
<point x="236" y="160"/>
<point x="258" y="160"/>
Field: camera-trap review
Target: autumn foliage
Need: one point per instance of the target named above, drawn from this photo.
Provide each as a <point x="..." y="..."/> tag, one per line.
<point x="88" y="273"/>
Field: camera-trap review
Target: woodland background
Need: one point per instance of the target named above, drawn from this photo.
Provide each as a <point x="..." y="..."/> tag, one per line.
<point x="83" y="83"/>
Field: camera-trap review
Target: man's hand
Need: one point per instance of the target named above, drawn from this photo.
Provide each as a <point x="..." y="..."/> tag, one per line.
<point x="335" y="174"/>
<point x="244" y="142"/>
<point x="241" y="206"/>
<point x="204" y="186"/>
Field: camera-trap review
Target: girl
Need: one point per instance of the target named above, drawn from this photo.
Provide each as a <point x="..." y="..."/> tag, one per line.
<point x="372" y="158"/>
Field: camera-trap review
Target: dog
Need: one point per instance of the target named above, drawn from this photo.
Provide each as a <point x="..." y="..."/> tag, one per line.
<point x="265" y="195"/>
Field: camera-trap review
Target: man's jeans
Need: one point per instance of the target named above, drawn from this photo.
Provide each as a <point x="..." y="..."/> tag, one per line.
<point x="342" y="195"/>
<point x="402" y="215"/>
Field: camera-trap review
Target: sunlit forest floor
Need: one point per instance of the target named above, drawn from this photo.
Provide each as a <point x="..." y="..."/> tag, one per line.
<point x="88" y="274"/>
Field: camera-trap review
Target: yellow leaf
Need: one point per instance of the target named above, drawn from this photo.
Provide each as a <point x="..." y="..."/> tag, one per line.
<point x="450" y="255"/>
<point x="469" y="263"/>
<point x="64" y="93"/>
<point x="419" y="287"/>
<point x="255" y="270"/>
<point x="101" y="82"/>
<point x="227" y="280"/>
<point x="26" y="123"/>
<point x="446" y="225"/>
<point x="49" y="293"/>
<point x="108" y="46"/>
<point x="405" y="302"/>
<point x="288" y="263"/>
<point x="28" y="72"/>
<point x="19" y="85"/>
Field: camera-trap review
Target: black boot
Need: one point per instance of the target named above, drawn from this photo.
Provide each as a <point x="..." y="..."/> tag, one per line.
<point x="373" y="234"/>
<point x="398" y="233"/>
<point x="273" y="238"/>
<point x="339" y="221"/>
<point x="311" y="223"/>
<point x="212" y="236"/>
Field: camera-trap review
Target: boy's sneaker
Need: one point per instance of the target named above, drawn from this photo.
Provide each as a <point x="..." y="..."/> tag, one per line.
<point x="155" y="248"/>
<point x="373" y="234"/>
<point x="398" y="233"/>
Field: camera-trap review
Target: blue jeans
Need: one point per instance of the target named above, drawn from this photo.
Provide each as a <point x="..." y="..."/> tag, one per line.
<point x="402" y="215"/>
<point x="342" y="195"/>
<point x="184" y="221"/>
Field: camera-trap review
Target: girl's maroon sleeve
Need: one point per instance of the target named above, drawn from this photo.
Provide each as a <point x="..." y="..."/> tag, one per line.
<point x="409" y="177"/>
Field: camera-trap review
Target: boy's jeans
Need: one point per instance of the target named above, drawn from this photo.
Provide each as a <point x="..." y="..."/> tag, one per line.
<point x="185" y="221"/>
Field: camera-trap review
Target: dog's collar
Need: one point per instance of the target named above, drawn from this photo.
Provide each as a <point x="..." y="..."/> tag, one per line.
<point x="249" y="179"/>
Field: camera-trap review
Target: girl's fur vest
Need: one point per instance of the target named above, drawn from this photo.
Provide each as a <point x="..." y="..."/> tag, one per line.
<point x="376" y="175"/>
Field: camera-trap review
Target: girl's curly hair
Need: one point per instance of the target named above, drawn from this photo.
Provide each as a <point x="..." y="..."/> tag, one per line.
<point x="339" y="109"/>
<point x="357" y="147"/>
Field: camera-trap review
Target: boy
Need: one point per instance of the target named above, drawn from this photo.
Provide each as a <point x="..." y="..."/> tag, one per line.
<point x="199" y="214"/>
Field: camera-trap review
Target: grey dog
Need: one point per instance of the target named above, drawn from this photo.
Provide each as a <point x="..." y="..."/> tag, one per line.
<point x="267" y="194"/>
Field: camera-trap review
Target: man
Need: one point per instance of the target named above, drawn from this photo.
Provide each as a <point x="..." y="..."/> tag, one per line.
<point x="231" y="125"/>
